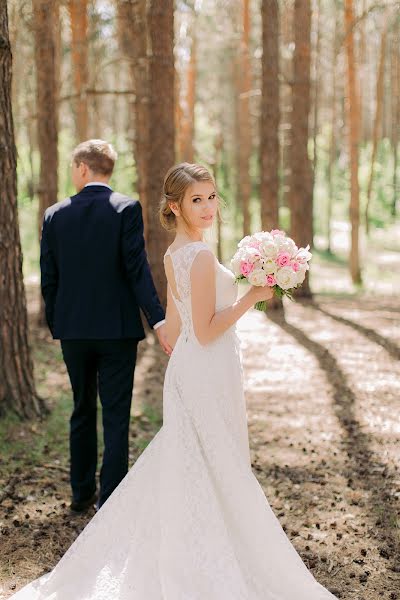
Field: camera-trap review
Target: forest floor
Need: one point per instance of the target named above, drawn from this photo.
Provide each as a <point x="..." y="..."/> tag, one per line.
<point x="322" y="385"/>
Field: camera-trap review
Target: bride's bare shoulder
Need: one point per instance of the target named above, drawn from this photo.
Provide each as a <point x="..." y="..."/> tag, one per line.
<point x="190" y="246"/>
<point x="203" y="262"/>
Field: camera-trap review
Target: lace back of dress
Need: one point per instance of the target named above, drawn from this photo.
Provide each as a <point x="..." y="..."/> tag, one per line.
<point x="182" y="260"/>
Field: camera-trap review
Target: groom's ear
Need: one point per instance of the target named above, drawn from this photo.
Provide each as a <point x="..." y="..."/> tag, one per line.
<point x="83" y="168"/>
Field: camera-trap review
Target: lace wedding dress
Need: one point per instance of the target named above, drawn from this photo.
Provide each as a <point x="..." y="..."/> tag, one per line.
<point x="190" y="520"/>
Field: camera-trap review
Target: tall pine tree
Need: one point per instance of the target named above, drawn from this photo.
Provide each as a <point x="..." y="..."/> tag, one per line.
<point x="17" y="389"/>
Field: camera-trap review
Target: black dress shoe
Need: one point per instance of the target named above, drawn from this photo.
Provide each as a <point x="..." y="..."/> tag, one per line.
<point x="83" y="504"/>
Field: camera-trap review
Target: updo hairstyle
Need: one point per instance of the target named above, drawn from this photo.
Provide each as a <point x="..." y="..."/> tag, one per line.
<point x="176" y="181"/>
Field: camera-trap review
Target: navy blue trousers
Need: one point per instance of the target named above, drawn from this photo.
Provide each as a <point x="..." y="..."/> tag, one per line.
<point x="106" y="367"/>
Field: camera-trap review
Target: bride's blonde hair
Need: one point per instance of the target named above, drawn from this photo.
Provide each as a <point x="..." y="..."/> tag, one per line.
<point x="176" y="181"/>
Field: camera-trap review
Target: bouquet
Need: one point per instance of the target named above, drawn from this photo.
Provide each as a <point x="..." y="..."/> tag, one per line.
<point x="273" y="259"/>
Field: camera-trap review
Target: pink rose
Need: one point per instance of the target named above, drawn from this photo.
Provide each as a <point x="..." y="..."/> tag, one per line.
<point x="277" y="232"/>
<point x="295" y="265"/>
<point x="270" y="280"/>
<point x="246" y="268"/>
<point x="283" y="259"/>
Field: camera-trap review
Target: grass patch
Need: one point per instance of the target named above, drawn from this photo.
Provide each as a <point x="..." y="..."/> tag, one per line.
<point x="24" y="443"/>
<point x="330" y="257"/>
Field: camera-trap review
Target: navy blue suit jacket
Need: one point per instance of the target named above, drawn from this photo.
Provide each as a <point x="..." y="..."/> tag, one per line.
<point x="94" y="269"/>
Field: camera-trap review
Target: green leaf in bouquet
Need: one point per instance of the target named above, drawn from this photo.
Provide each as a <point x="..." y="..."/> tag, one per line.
<point x="239" y="278"/>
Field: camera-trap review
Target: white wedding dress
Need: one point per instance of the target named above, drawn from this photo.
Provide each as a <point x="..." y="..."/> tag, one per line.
<point x="190" y="520"/>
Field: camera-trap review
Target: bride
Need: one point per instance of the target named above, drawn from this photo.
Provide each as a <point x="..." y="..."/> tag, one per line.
<point x="189" y="521"/>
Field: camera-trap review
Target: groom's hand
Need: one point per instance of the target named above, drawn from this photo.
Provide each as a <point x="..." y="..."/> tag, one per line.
<point x="162" y="338"/>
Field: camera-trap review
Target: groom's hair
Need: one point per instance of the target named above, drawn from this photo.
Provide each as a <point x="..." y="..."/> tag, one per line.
<point x="98" y="155"/>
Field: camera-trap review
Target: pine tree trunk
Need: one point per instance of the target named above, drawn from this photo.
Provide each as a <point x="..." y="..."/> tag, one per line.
<point x="364" y="72"/>
<point x="332" y="141"/>
<point x="353" y="133"/>
<point x="133" y="33"/>
<point x="17" y="388"/>
<point x="147" y="38"/>
<point x="301" y="180"/>
<point x="316" y="88"/>
<point x="269" y="128"/>
<point x="377" y="121"/>
<point x="395" y="136"/>
<point x="244" y="125"/>
<point x="161" y="150"/>
<point x="218" y="149"/>
<point x="287" y="41"/>
<point x="46" y="81"/>
<point x="79" y="55"/>
<point x="188" y="121"/>
<point x="45" y="12"/>
<point x="178" y="116"/>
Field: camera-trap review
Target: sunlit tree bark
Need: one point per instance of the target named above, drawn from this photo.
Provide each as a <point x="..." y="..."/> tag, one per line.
<point x="353" y="137"/>
<point x="301" y="180"/>
<point x="269" y="129"/>
<point x="79" y="50"/>
<point x="244" y="125"/>
<point x="17" y="388"/>
<point x="45" y="13"/>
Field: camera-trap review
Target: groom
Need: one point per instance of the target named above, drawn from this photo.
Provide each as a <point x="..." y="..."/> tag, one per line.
<point x="94" y="278"/>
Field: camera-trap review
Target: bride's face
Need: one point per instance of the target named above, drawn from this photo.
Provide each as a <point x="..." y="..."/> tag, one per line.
<point x="199" y="205"/>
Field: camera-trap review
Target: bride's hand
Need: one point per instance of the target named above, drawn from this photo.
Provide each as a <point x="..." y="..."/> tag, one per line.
<point x="261" y="293"/>
<point x="163" y="339"/>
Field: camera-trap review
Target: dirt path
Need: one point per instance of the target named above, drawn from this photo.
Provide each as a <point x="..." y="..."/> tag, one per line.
<point x="323" y="399"/>
<point x="322" y="388"/>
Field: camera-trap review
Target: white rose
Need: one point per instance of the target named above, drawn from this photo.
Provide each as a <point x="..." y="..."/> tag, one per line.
<point x="263" y="236"/>
<point x="301" y="273"/>
<point x="279" y="239"/>
<point x="285" y="244"/>
<point x="245" y="241"/>
<point x="286" y="278"/>
<point x="300" y="277"/>
<point x="269" y="266"/>
<point x="238" y="257"/>
<point x="257" y="277"/>
<point x="250" y="254"/>
<point x="269" y="249"/>
<point x="235" y="264"/>
<point x="303" y="254"/>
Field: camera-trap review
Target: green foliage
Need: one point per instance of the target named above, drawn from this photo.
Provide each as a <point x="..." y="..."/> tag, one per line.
<point x="152" y="414"/>
<point x="284" y="218"/>
<point x="28" y="225"/>
<point x="45" y="441"/>
<point x="124" y="180"/>
<point x="382" y="191"/>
